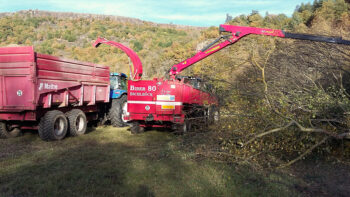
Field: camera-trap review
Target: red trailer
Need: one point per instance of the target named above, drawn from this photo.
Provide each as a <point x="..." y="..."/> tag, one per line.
<point x="48" y="93"/>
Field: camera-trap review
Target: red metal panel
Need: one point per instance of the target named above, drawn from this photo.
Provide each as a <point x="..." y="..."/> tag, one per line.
<point x="18" y="95"/>
<point x="59" y="73"/>
<point x="28" y="115"/>
<point x="16" y="54"/>
<point x="16" y="73"/>
<point x="141" y="96"/>
<point x="47" y="62"/>
<point x="45" y="74"/>
<point x="87" y="93"/>
<point x="166" y="102"/>
<point x="44" y="64"/>
<point x="101" y="93"/>
<point x="1" y="93"/>
<point x="12" y="65"/>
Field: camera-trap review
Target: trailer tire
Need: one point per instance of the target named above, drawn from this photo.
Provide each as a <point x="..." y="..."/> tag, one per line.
<point x="6" y="132"/>
<point x="53" y="126"/>
<point x="116" y="112"/>
<point x="136" y="128"/>
<point x="77" y="122"/>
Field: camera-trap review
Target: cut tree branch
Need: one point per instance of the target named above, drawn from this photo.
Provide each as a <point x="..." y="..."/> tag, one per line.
<point x="301" y="128"/>
<point x="305" y="153"/>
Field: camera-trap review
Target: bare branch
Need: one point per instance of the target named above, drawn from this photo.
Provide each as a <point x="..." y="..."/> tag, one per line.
<point x="305" y="153"/>
<point x="301" y="128"/>
<point x="268" y="132"/>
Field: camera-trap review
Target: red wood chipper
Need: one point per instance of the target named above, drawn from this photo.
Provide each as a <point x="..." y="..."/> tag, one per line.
<point x="182" y="102"/>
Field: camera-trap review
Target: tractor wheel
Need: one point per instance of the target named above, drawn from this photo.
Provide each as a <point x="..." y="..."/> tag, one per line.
<point x="118" y="111"/>
<point x="53" y="126"/>
<point x="136" y="128"/>
<point x="7" y="132"/>
<point x="77" y="122"/>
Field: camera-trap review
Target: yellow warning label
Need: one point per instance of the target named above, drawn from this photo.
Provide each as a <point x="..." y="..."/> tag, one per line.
<point x="213" y="49"/>
<point x="168" y="106"/>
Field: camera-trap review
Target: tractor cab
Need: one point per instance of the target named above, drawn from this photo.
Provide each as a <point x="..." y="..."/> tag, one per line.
<point x="118" y="84"/>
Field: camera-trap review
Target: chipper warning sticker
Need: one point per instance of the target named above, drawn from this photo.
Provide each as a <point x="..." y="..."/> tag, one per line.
<point x="165" y="98"/>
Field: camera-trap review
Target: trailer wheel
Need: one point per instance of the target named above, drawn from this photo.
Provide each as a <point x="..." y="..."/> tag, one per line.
<point x="7" y="132"/>
<point x="136" y="128"/>
<point x="53" y="126"/>
<point x="118" y="111"/>
<point x="77" y="122"/>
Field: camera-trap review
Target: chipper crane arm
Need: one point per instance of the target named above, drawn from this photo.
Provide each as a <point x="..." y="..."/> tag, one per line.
<point x="136" y="62"/>
<point x="237" y="32"/>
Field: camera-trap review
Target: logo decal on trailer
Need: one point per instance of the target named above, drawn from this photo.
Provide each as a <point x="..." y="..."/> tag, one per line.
<point x="47" y="86"/>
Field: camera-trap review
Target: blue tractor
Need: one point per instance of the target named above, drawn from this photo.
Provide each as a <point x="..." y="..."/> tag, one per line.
<point x="118" y="97"/>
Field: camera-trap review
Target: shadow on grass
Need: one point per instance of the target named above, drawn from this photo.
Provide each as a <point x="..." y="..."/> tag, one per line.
<point x="84" y="171"/>
<point x="143" y="165"/>
<point x="95" y="169"/>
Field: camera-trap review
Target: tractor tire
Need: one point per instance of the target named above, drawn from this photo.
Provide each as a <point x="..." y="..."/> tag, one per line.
<point x="53" y="126"/>
<point x="116" y="112"/>
<point x="6" y="132"/>
<point x="77" y="122"/>
<point x="136" y="128"/>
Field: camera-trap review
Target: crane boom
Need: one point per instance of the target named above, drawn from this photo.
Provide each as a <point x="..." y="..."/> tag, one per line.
<point x="237" y="32"/>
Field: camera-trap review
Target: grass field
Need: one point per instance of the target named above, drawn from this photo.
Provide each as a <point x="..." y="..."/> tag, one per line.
<point x="112" y="162"/>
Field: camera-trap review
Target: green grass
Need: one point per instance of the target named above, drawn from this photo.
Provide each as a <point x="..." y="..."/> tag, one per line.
<point x="112" y="162"/>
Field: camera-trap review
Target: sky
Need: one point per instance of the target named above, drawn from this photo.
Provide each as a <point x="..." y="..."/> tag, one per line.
<point x="182" y="12"/>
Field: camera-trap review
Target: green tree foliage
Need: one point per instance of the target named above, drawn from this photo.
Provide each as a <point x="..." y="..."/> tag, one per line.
<point x="72" y="37"/>
<point x="137" y="46"/>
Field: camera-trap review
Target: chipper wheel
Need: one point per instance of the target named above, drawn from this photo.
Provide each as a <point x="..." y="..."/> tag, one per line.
<point x="53" y="126"/>
<point x="213" y="115"/>
<point x="183" y="128"/>
<point x="136" y="128"/>
<point x="77" y="122"/>
<point x="7" y="132"/>
<point x="118" y="111"/>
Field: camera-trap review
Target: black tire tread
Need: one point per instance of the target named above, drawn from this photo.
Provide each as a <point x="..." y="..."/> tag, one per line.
<point x="72" y="116"/>
<point x="179" y="128"/>
<point x="45" y="125"/>
<point x="115" y="113"/>
<point x="5" y="134"/>
<point x="136" y="128"/>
